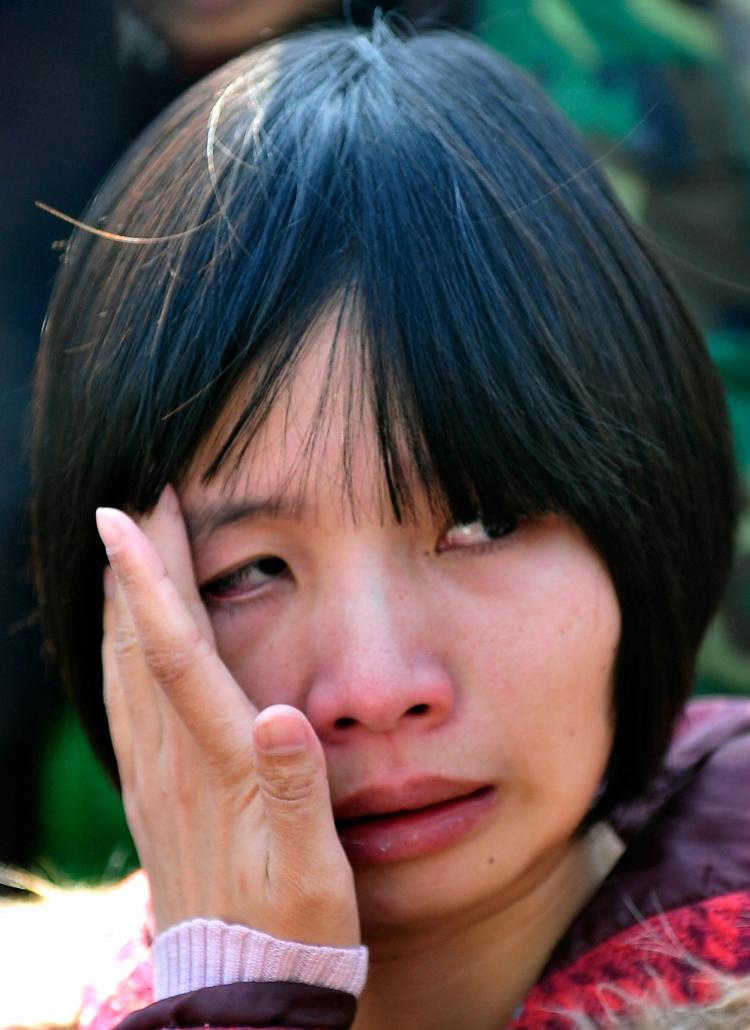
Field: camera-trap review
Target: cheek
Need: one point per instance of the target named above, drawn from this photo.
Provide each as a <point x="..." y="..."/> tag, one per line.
<point x="540" y="673"/>
<point x="263" y="653"/>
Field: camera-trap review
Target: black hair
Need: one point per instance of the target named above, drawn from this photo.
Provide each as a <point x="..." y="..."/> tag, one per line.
<point x="522" y="350"/>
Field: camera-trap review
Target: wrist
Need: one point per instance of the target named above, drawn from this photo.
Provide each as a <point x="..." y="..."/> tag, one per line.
<point x="208" y="952"/>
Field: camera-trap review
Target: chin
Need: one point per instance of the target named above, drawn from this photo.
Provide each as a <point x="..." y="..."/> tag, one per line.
<point x="427" y="891"/>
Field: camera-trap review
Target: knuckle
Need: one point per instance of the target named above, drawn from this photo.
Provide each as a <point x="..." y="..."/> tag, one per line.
<point x="168" y="664"/>
<point x="286" y="781"/>
<point x="125" y="643"/>
<point x="171" y="661"/>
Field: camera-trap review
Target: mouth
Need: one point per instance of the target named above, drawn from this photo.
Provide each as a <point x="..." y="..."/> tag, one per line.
<point x="396" y="829"/>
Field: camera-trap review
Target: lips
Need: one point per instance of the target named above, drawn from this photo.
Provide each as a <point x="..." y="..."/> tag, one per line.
<point x="387" y="799"/>
<point x="389" y="823"/>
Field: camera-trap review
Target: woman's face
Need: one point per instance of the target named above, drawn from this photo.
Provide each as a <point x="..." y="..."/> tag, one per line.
<point x="459" y="678"/>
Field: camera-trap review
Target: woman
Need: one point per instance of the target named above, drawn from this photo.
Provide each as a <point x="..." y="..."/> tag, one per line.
<point x="432" y="500"/>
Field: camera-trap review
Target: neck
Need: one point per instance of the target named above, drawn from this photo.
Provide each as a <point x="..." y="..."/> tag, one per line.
<point x="476" y="971"/>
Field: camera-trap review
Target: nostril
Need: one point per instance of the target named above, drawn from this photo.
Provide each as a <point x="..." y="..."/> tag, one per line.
<point x="345" y="722"/>
<point x="418" y="709"/>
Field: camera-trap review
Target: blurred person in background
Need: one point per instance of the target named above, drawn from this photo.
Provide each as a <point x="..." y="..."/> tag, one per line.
<point x="200" y="34"/>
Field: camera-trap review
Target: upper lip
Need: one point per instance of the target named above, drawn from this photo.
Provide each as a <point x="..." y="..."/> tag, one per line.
<point x="389" y="798"/>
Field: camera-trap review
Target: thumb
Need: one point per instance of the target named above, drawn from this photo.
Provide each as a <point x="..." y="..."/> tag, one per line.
<point x="306" y="862"/>
<point x="290" y="767"/>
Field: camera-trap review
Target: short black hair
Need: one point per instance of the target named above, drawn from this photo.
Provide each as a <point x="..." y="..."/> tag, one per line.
<point x="523" y="350"/>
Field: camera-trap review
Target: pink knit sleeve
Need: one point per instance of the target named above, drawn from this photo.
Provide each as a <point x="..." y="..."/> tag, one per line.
<point x="208" y="952"/>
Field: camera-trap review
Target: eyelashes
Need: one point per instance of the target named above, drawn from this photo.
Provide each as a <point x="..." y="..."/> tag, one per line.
<point x="247" y="580"/>
<point x="255" y="579"/>
<point x="480" y="533"/>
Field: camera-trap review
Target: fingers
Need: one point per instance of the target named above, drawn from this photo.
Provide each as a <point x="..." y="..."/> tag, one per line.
<point x="203" y="767"/>
<point x="125" y="667"/>
<point x="303" y="843"/>
<point x="115" y="700"/>
<point x="165" y="527"/>
<point x="179" y="656"/>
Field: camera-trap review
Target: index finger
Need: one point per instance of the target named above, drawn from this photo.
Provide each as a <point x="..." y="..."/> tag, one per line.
<point x="165" y="527"/>
<point x="181" y="658"/>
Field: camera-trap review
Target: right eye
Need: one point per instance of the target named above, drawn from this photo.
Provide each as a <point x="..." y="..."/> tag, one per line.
<point x="247" y="581"/>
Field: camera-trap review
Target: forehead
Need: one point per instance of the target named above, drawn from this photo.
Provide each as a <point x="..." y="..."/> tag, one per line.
<point x="316" y="448"/>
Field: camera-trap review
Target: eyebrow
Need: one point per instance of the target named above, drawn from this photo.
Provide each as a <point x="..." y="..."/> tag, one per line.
<point x="206" y="518"/>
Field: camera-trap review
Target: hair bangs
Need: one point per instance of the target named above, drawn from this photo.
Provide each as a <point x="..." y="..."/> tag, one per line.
<point x="473" y="400"/>
<point x="262" y="216"/>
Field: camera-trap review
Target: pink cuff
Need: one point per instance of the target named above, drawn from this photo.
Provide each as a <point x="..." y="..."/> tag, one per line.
<point x="208" y="952"/>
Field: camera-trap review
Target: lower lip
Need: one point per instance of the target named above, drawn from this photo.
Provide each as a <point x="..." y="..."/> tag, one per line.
<point x="395" y="838"/>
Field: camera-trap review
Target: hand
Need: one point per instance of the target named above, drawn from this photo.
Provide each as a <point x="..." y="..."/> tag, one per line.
<point x="229" y="809"/>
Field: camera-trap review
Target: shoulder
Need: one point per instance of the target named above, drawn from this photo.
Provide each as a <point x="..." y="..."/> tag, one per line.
<point x="681" y="957"/>
<point x="673" y="917"/>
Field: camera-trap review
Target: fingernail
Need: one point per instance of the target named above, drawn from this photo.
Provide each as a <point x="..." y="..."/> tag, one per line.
<point x="110" y="529"/>
<point x="109" y="583"/>
<point x="280" y="733"/>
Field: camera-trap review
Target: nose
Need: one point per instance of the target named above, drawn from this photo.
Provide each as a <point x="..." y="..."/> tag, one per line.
<point x="375" y="671"/>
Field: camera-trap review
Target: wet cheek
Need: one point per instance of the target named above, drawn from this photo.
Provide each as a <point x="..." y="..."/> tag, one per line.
<point x="270" y="670"/>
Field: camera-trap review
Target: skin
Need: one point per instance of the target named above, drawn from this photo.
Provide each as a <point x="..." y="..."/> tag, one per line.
<point x="210" y="31"/>
<point x="410" y="650"/>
